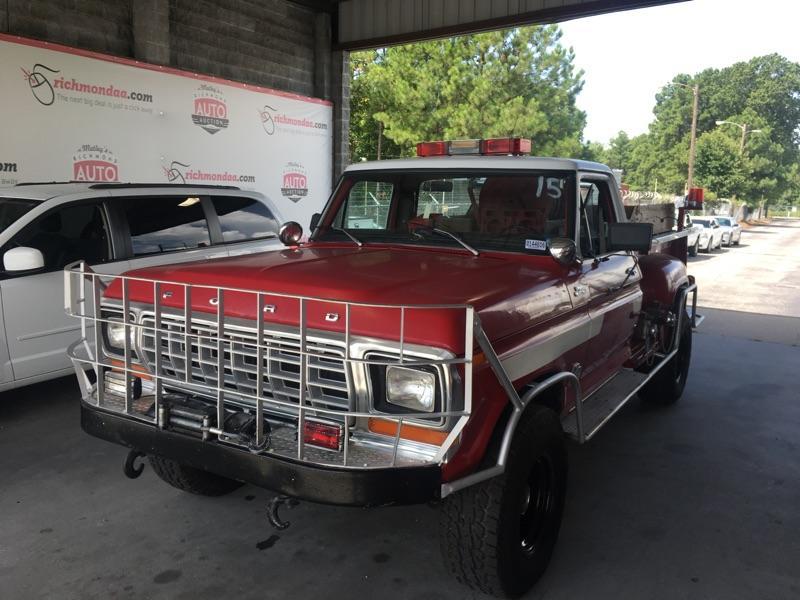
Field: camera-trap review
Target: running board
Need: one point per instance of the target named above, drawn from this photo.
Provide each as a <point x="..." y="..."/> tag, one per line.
<point x="604" y="403"/>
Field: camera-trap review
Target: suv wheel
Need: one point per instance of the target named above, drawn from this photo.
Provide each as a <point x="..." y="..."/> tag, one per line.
<point x="497" y="536"/>
<point x="189" y="479"/>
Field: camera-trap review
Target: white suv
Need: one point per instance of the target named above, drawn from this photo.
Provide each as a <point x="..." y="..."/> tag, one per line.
<point x="115" y="228"/>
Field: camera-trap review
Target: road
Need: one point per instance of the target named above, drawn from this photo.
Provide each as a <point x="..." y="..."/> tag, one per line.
<point x="761" y="275"/>
<point x="698" y="500"/>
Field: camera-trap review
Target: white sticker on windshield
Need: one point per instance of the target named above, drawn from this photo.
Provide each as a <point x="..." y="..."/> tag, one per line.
<point x="536" y="245"/>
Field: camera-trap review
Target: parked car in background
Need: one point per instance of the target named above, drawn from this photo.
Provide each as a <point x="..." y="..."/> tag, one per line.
<point x="713" y="230"/>
<point x="698" y="236"/>
<point x="732" y="229"/>
<point x="114" y="227"/>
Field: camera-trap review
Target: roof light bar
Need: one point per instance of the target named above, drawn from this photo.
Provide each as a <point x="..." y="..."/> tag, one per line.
<point x="491" y="146"/>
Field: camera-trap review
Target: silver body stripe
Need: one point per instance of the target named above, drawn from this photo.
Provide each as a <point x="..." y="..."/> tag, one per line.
<point x="556" y="341"/>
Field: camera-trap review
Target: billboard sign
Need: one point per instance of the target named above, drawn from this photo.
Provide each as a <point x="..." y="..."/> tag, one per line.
<point x="76" y="115"/>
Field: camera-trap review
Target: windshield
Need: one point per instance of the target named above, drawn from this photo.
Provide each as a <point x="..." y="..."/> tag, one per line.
<point x="12" y="209"/>
<point x="488" y="210"/>
<point x="724" y="222"/>
<point x="705" y="224"/>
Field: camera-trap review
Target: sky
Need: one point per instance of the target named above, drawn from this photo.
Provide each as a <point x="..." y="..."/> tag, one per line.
<point x="628" y="56"/>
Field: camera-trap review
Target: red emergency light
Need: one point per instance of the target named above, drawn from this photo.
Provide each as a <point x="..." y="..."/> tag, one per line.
<point x="694" y="199"/>
<point x="323" y="435"/>
<point x="488" y="147"/>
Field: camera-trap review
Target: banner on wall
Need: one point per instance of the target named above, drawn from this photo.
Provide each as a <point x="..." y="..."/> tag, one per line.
<point x="77" y="115"/>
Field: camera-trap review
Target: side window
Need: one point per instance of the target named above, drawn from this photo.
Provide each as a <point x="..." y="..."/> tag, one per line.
<point x="368" y="205"/>
<point x="244" y="219"/>
<point x="596" y="213"/>
<point x="166" y="224"/>
<point x="66" y="235"/>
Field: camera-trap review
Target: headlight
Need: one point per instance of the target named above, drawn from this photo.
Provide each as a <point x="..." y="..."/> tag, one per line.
<point x="115" y="336"/>
<point x="411" y="388"/>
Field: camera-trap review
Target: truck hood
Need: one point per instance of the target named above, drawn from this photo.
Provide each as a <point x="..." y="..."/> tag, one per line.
<point x="510" y="292"/>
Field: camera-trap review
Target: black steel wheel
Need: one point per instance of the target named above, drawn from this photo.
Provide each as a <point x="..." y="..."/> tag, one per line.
<point x="498" y="536"/>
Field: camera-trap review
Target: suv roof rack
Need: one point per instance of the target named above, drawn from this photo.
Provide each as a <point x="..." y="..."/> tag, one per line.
<point x="25" y="183"/>
<point x="111" y="186"/>
<point x="108" y="186"/>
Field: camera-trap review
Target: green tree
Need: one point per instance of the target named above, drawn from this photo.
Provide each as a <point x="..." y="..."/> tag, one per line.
<point x="763" y="93"/>
<point x="617" y="154"/>
<point x="514" y="82"/>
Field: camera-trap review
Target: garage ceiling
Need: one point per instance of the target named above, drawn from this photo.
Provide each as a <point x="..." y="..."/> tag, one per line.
<point x="375" y="23"/>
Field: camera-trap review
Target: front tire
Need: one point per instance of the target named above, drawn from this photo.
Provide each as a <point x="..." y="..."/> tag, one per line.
<point x="696" y="248"/>
<point x="667" y="386"/>
<point x="189" y="479"/>
<point x="498" y="536"/>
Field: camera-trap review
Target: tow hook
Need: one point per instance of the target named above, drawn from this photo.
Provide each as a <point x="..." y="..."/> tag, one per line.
<point x="131" y="471"/>
<point x="272" y="511"/>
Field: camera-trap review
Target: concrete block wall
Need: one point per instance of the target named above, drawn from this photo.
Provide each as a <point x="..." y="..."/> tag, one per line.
<point x="266" y="42"/>
<point x="100" y="25"/>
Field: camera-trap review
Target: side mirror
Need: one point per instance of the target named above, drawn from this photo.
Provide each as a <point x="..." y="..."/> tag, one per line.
<point x="290" y="233"/>
<point x="314" y="222"/>
<point x="23" y="259"/>
<point x="563" y="250"/>
<point x="630" y="236"/>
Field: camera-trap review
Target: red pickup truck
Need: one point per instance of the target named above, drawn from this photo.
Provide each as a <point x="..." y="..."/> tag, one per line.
<point x="450" y="322"/>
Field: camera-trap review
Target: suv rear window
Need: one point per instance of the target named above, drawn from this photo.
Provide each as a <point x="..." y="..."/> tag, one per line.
<point x="244" y="219"/>
<point x="166" y="224"/>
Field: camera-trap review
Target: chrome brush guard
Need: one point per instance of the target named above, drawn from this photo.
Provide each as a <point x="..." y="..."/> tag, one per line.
<point x="205" y="372"/>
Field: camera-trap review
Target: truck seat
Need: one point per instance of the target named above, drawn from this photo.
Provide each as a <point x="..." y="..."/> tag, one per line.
<point x="509" y="204"/>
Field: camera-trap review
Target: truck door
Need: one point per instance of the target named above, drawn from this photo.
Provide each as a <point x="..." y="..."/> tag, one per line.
<point x="37" y="329"/>
<point x="608" y="284"/>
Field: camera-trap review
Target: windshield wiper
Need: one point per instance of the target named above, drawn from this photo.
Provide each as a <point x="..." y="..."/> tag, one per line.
<point x="356" y="241"/>
<point x="451" y="236"/>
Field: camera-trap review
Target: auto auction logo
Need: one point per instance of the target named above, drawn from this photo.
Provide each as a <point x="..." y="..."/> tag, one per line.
<point x="295" y="182"/>
<point x="210" y="110"/>
<point x="94" y="163"/>
<point x="40" y="85"/>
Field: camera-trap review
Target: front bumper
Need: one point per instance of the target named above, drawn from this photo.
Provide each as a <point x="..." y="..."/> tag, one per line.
<point x="327" y="485"/>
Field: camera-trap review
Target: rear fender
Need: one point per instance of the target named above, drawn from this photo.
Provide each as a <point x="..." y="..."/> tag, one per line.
<point x="662" y="277"/>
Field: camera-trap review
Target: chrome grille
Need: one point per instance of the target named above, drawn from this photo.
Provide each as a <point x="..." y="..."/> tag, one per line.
<point x="329" y="381"/>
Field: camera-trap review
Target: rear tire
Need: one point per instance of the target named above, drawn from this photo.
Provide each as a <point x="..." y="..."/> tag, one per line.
<point x="696" y="248"/>
<point x="189" y="479"/>
<point x="498" y="536"/>
<point x="667" y="386"/>
<point x="710" y="248"/>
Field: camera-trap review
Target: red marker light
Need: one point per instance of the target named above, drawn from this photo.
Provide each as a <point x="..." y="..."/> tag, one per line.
<point x="506" y="146"/>
<point x="323" y="435"/>
<point x="432" y="149"/>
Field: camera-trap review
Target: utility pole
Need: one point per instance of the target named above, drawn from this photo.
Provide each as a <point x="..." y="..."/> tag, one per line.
<point x="693" y="138"/>
<point x="745" y="130"/>
<point x="380" y="138"/>
<point x="744" y="137"/>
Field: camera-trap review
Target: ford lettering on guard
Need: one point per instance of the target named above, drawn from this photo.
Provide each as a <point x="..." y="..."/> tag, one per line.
<point x="451" y="322"/>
